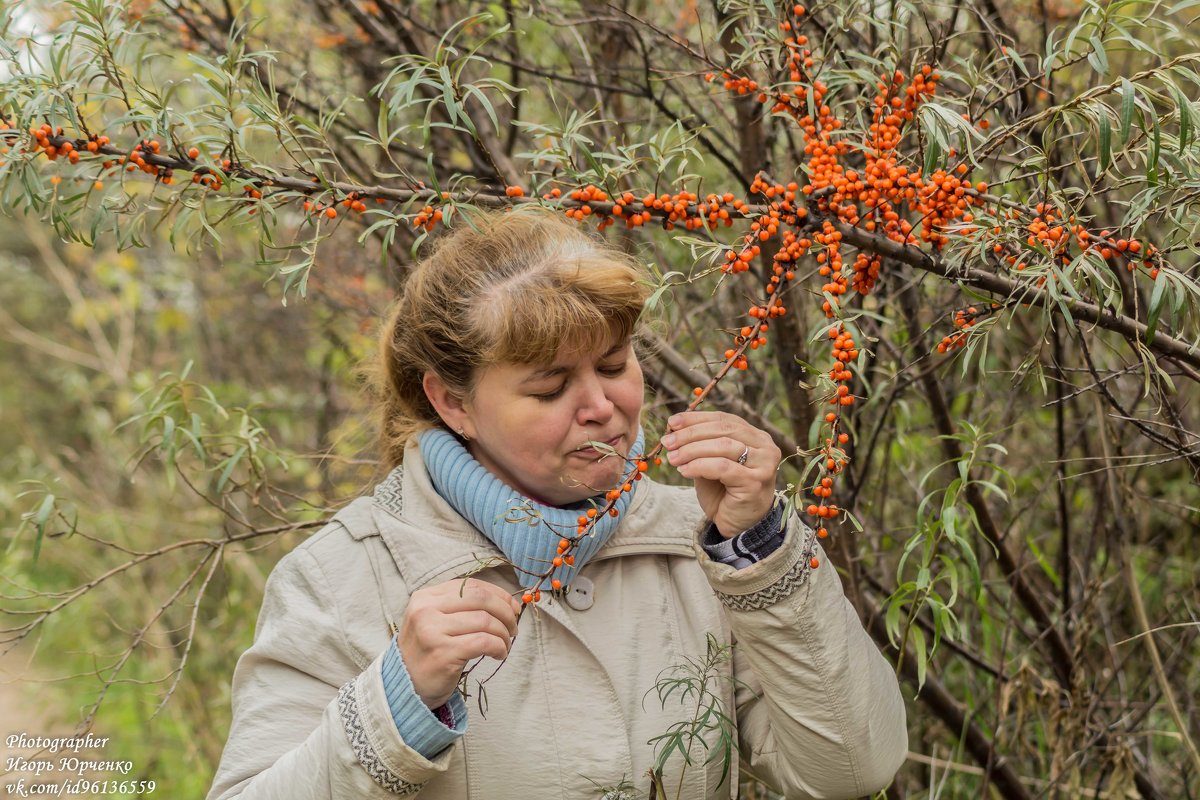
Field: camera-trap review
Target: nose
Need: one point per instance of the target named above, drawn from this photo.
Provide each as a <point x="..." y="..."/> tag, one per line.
<point x="595" y="406"/>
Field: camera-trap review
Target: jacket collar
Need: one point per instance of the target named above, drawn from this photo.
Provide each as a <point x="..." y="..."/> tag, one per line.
<point x="431" y="543"/>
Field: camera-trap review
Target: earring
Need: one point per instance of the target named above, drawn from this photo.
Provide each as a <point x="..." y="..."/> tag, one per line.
<point x="463" y="434"/>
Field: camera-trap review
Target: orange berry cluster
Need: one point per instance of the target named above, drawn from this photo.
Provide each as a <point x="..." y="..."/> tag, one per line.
<point x="65" y="149"/>
<point x="843" y="352"/>
<point x="585" y="196"/>
<point x="682" y="208"/>
<point x="137" y="160"/>
<point x="735" y="84"/>
<point x="780" y="212"/>
<point x="353" y="201"/>
<point x="428" y="217"/>
<point x="207" y="179"/>
<point x="1063" y="237"/>
<point x="964" y="321"/>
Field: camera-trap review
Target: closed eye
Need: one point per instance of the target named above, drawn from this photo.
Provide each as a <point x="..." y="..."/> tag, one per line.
<point x="610" y="372"/>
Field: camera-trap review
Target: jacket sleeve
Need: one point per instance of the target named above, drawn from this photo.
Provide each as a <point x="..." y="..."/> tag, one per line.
<point x="309" y="722"/>
<point x="819" y="711"/>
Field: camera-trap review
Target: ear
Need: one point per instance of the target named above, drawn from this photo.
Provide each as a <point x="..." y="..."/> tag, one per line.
<point x="452" y="410"/>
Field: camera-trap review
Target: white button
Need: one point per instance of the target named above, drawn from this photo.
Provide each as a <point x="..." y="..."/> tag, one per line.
<point x="581" y="593"/>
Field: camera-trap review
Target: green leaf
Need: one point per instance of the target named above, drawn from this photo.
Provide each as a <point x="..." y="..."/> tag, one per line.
<point x="1185" y="118"/>
<point x="230" y="463"/>
<point x="40" y="519"/>
<point x="1105" y="142"/>
<point x="933" y="155"/>
<point x="892" y="620"/>
<point x="1155" y="149"/>
<point x="483" y="101"/>
<point x="1098" y="58"/>
<point x="1156" y="305"/>
<point x="918" y="637"/>
<point x="1127" y="104"/>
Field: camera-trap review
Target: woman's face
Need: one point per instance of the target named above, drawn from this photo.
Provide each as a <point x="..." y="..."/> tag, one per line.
<point x="529" y="426"/>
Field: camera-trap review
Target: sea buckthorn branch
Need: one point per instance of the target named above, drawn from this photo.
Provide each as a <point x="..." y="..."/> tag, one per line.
<point x="1000" y="286"/>
<point x="897" y="186"/>
<point x="884" y="137"/>
<point x="588" y="201"/>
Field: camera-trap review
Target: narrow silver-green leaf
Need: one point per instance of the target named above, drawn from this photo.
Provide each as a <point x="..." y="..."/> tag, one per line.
<point x="1105" y="142"/>
<point x="1156" y="306"/>
<point x="1127" y="104"/>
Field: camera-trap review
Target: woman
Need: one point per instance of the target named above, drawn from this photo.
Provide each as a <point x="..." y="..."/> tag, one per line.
<point x="509" y="398"/>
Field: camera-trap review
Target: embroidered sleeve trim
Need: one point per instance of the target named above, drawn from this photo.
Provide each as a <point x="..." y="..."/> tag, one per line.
<point x="788" y="583"/>
<point x="361" y="745"/>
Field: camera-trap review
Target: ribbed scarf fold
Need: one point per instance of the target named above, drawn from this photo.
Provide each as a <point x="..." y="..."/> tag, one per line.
<point x="526" y="531"/>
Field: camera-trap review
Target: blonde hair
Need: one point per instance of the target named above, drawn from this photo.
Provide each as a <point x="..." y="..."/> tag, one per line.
<point x="505" y="287"/>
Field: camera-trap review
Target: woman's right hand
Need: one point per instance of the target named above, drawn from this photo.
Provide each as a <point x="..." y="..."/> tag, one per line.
<point x="449" y="625"/>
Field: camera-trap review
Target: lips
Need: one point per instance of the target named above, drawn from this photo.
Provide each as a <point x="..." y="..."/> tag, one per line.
<point x="591" y="451"/>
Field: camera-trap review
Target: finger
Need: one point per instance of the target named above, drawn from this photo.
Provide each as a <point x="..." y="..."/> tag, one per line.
<point x="463" y="622"/>
<point x="498" y="608"/>
<point x="474" y="594"/>
<point x="473" y="645"/>
<point x="719" y="447"/>
<point x="730" y="427"/>
<point x="730" y="474"/>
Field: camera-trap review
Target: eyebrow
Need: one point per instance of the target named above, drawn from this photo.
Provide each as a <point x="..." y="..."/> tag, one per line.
<point x="550" y="372"/>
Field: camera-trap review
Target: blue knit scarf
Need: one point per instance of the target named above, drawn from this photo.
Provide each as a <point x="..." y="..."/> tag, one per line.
<point x="526" y="531"/>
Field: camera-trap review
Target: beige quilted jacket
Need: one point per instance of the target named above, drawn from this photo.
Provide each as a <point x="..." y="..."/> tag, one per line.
<point x="817" y="708"/>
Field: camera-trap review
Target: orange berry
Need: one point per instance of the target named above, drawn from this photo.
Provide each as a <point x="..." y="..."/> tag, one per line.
<point x="193" y="153"/>
<point x="331" y="212"/>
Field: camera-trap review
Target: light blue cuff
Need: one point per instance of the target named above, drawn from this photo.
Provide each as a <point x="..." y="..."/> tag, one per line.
<point x="418" y="726"/>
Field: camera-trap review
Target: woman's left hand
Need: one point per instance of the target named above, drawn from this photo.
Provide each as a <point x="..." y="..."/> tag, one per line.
<point x="706" y="446"/>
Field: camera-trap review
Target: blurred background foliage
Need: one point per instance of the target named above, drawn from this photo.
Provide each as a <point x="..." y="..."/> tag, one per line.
<point x="178" y="374"/>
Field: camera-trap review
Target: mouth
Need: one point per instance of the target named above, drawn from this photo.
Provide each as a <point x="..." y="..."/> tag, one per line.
<point x="592" y="452"/>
